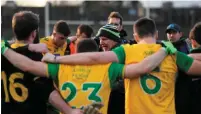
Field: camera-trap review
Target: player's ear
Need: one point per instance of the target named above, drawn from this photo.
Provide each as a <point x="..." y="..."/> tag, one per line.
<point x="33" y="34"/>
<point x="156" y="35"/>
<point x="181" y="34"/>
<point x="193" y="42"/>
<point x="54" y="33"/>
<point x="120" y="27"/>
<point x="83" y="35"/>
<point x="136" y="37"/>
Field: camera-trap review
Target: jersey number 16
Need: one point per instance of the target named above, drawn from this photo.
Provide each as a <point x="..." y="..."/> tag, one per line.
<point x="10" y="86"/>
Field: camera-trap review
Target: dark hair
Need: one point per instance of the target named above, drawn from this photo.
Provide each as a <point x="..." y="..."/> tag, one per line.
<point x="62" y="27"/>
<point x="195" y="33"/>
<point x="86" y="29"/>
<point x="116" y="15"/>
<point x="145" y="27"/>
<point x="23" y="23"/>
<point x="87" y="45"/>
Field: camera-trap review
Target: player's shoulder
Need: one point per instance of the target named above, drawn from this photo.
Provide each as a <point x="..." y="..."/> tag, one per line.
<point x="30" y="54"/>
<point x="45" y="39"/>
<point x="126" y="45"/>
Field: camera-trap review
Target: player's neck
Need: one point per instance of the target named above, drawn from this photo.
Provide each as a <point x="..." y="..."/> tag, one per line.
<point x="23" y="42"/>
<point x="147" y="40"/>
<point x="53" y="42"/>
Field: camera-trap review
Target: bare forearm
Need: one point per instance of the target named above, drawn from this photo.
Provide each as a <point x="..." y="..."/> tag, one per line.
<point x="18" y="60"/>
<point x="195" y="68"/>
<point x="196" y="56"/>
<point x="145" y="66"/>
<point x="56" y="100"/>
<point x="88" y="58"/>
<point x="25" y="64"/>
<point x="151" y="62"/>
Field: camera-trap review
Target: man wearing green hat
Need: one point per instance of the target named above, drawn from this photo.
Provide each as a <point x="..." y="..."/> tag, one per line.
<point x="109" y="39"/>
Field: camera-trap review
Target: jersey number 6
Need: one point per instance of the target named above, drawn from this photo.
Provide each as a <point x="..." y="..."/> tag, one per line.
<point x="145" y="86"/>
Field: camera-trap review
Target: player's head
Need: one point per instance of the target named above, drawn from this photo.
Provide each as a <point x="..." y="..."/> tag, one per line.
<point x="83" y="31"/>
<point x="143" y="28"/>
<point x="116" y="19"/>
<point x="109" y="37"/>
<point x="25" y="26"/>
<point x="86" y="45"/>
<point x="173" y="32"/>
<point x="195" y="35"/>
<point x="60" y="32"/>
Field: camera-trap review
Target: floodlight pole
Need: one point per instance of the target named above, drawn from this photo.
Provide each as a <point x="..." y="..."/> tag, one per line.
<point x="47" y="30"/>
<point x="147" y="9"/>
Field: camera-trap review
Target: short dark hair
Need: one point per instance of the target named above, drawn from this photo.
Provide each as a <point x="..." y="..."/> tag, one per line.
<point x="86" y="29"/>
<point x="116" y="15"/>
<point x="195" y="33"/>
<point x="87" y="45"/>
<point x="145" y="27"/>
<point x="23" y="23"/>
<point x="62" y="27"/>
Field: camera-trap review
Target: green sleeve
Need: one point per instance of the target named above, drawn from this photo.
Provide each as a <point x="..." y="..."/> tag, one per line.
<point x="53" y="70"/>
<point x="183" y="61"/>
<point x="115" y="70"/>
<point x="68" y="41"/>
<point x="119" y="51"/>
<point x="7" y="43"/>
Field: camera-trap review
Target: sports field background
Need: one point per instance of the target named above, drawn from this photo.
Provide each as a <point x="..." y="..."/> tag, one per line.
<point x="96" y="13"/>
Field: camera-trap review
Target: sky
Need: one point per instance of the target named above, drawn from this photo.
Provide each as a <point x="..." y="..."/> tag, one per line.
<point x="147" y="3"/>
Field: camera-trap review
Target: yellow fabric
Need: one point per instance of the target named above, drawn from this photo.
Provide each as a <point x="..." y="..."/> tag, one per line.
<point x="17" y="44"/>
<point x="60" y="51"/>
<point x="84" y="79"/>
<point x="143" y="94"/>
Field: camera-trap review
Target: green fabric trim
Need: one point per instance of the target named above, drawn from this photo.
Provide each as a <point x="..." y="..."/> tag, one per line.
<point x="119" y="51"/>
<point x="53" y="70"/>
<point x="7" y="43"/>
<point x="3" y="47"/>
<point x="183" y="61"/>
<point x="114" y="33"/>
<point x="182" y="39"/>
<point x="115" y="70"/>
<point x="68" y="41"/>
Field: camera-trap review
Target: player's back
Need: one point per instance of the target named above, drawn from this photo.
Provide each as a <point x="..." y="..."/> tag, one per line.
<point x="151" y="93"/>
<point x="81" y="85"/>
<point x="21" y="92"/>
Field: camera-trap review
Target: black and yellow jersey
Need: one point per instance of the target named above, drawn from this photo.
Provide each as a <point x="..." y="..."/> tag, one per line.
<point x="22" y="92"/>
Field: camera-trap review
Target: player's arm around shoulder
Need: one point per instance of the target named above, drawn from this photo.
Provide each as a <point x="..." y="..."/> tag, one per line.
<point x="196" y="56"/>
<point x="88" y="58"/>
<point x="188" y="64"/>
<point x="146" y="65"/>
<point x="26" y="64"/>
<point x="135" y="70"/>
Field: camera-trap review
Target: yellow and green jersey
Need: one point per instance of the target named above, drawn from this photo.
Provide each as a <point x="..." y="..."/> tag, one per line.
<point x="151" y="93"/>
<point x="58" y="51"/>
<point x="81" y="85"/>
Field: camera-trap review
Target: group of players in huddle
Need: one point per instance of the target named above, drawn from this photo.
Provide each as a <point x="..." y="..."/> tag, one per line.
<point x="75" y="78"/>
